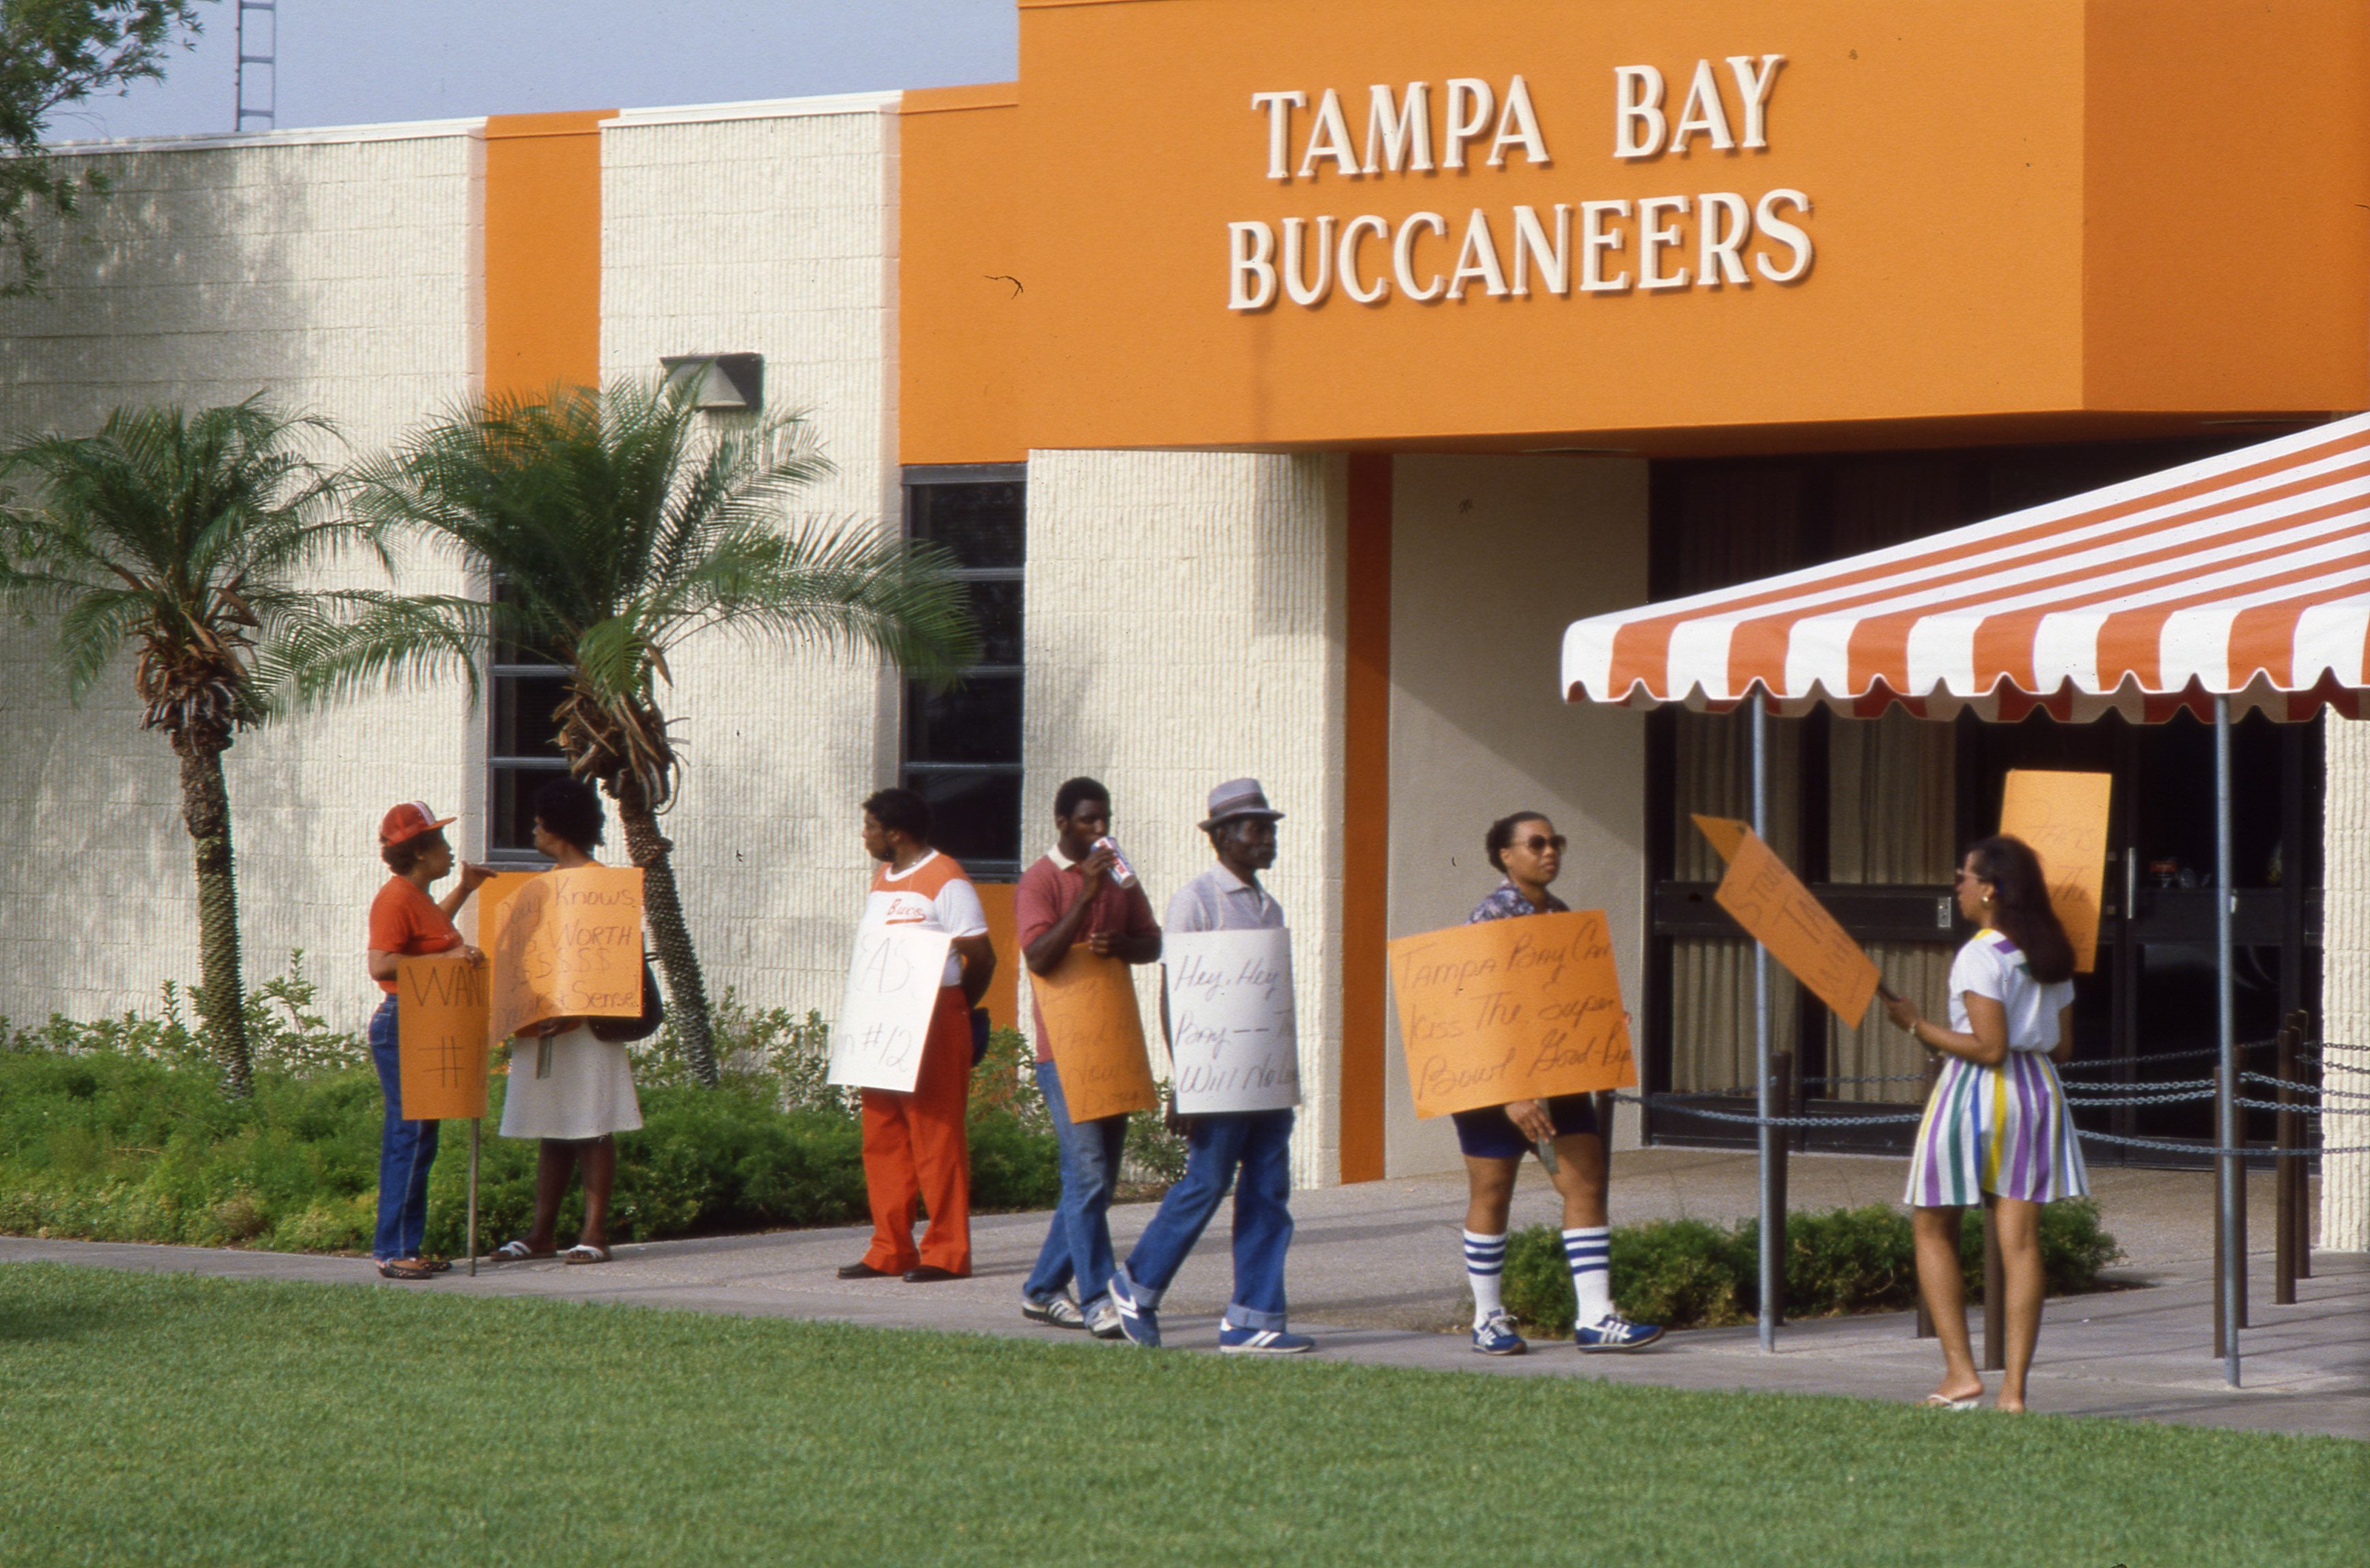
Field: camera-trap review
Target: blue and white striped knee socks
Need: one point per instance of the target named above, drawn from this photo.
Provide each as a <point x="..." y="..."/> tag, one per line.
<point x="1588" y="1249"/>
<point x="1485" y="1263"/>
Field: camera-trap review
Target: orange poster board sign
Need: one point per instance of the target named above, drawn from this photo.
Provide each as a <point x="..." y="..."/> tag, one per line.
<point x="567" y="945"/>
<point x="1778" y="912"/>
<point x="1727" y="834"/>
<point x="1511" y="1009"/>
<point x="441" y="1011"/>
<point x="2063" y="817"/>
<point x="491" y="894"/>
<point x="1097" y="1036"/>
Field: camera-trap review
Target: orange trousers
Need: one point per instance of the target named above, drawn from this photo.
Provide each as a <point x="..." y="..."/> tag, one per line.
<point x="916" y="1152"/>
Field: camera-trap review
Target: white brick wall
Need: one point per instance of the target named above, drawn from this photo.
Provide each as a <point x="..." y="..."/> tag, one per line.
<point x="2345" y="986"/>
<point x="1184" y="628"/>
<point x="339" y="271"/>
<point x="770" y="230"/>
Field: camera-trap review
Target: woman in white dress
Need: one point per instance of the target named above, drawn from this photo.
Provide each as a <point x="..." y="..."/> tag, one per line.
<point x="570" y="1084"/>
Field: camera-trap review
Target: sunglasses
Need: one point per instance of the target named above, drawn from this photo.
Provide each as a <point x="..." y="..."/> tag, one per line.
<point x="1539" y="842"/>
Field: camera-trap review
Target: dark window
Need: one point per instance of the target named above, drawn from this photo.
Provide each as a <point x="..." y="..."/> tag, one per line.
<point x="521" y="749"/>
<point x="962" y="745"/>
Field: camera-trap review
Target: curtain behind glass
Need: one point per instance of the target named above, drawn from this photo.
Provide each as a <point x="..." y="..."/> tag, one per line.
<point x="1891" y="814"/>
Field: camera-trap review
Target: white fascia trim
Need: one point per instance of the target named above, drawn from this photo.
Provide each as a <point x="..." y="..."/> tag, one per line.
<point x="393" y="131"/>
<point x="760" y="109"/>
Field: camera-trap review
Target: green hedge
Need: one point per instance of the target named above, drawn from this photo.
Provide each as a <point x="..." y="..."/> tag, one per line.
<point x="1689" y="1274"/>
<point x="120" y="1132"/>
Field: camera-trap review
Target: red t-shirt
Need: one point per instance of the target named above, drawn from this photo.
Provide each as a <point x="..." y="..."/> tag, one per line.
<point x="1046" y="892"/>
<point x="405" y="920"/>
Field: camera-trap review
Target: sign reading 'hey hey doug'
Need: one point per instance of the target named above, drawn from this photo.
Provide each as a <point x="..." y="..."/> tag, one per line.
<point x="1696" y="239"/>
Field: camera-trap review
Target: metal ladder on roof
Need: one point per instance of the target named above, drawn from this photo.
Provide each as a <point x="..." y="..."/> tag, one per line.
<point x="263" y="109"/>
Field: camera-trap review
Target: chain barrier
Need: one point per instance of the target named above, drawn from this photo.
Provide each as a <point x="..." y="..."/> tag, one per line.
<point x="1672" y="1102"/>
<point x="2268" y="1080"/>
<point x="2096" y="1101"/>
<point x="2211" y="1152"/>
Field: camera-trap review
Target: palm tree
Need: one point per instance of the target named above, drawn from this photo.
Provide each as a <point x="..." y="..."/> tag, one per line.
<point x="615" y="531"/>
<point x="184" y="537"/>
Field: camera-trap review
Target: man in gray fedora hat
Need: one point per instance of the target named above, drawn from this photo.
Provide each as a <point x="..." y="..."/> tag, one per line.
<point x="1252" y="1148"/>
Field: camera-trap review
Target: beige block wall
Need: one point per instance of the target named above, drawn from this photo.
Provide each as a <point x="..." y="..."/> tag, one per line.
<point x="1184" y="628"/>
<point x="339" y="271"/>
<point x="772" y="229"/>
<point x="1492" y="558"/>
<point x="2345" y="987"/>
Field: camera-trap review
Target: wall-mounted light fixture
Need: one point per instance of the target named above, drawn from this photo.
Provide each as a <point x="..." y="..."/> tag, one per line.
<point x="721" y="383"/>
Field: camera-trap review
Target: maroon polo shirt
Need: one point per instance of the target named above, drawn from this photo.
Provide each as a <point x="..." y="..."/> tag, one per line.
<point x="1046" y="892"/>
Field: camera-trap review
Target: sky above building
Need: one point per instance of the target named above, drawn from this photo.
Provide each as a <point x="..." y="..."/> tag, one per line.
<point x="358" y="61"/>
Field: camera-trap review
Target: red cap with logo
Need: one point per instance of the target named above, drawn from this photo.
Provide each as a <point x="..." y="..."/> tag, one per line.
<point x="408" y="822"/>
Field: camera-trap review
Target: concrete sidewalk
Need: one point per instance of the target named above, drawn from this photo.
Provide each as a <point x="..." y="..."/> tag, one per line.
<point x="1376" y="1276"/>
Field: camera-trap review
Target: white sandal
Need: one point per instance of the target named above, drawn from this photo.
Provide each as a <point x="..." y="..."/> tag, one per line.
<point x="585" y="1252"/>
<point x="517" y="1251"/>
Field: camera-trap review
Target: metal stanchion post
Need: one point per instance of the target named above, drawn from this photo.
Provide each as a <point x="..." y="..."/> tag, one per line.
<point x="2284" y="1249"/>
<point x="1925" y="1313"/>
<point x="2230" y="1293"/>
<point x="475" y="1125"/>
<point x="1772" y="1276"/>
<point x="2297" y="1171"/>
<point x="1995" y="1293"/>
<point x="1781" y="1069"/>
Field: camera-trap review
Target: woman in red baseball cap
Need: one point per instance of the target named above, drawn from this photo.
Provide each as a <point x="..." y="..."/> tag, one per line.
<point x="406" y="922"/>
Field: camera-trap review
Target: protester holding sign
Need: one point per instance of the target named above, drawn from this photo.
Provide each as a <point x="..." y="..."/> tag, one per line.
<point x="570" y="1084"/>
<point x="915" y="1150"/>
<point x="1070" y="899"/>
<point x="1995" y="1129"/>
<point x="1251" y="1150"/>
<point x="406" y="922"/>
<point x="1529" y="851"/>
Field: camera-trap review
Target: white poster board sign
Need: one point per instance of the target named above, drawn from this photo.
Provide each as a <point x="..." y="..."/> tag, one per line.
<point x="892" y="989"/>
<point x="1231" y="1034"/>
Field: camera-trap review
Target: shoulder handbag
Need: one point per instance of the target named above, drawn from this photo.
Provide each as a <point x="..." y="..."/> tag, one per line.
<point x="618" y="1031"/>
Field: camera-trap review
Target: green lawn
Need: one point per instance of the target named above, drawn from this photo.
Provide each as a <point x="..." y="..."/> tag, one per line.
<point x="158" y="1419"/>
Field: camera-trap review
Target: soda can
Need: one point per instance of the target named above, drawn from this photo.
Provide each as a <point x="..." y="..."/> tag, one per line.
<point x="1121" y="873"/>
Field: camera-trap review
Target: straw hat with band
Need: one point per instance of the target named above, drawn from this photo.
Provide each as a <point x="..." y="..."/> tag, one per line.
<point x="1238" y="799"/>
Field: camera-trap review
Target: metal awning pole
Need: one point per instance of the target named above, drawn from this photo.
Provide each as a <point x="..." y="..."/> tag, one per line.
<point x="2227" y="1080"/>
<point x="1773" y="1279"/>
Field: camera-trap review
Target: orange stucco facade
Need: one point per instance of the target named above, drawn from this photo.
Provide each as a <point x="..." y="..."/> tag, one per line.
<point x="2029" y="220"/>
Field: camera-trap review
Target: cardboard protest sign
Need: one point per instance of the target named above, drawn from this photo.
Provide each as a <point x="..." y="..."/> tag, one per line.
<point x="1511" y="1009"/>
<point x="2063" y="817"/>
<point x="1095" y="1035"/>
<point x="884" y="1017"/>
<point x="441" y="1012"/>
<point x="1727" y="834"/>
<point x="1778" y="912"/>
<point x="477" y="921"/>
<point x="567" y="945"/>
<point x="1231" y="1030"/>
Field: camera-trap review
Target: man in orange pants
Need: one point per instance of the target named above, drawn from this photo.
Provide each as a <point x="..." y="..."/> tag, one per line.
<point x="915" y="1150"/>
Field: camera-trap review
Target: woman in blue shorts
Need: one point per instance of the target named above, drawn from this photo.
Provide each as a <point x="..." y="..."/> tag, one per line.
<point x="1529" y="851"/>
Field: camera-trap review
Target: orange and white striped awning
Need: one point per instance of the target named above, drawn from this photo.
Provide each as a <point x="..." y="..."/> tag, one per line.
<point x="2245" y="575"/>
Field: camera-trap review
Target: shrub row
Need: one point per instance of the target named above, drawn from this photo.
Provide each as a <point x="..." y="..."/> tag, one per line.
<point x="117" y="1130"/>
<point x="1690" y="1274"/>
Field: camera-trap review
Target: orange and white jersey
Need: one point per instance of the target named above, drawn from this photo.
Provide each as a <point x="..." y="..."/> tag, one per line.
<point x="932" y="894"/>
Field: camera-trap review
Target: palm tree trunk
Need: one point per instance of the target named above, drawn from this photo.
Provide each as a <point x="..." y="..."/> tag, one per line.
<point x="205" y="809"/>
<point x="686" y="989"/>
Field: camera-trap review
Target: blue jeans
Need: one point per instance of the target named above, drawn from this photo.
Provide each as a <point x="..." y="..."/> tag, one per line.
<point x="1078" y="1245"/>
<point x="1259" y="1145"/>
<point x="406" y="1151"/>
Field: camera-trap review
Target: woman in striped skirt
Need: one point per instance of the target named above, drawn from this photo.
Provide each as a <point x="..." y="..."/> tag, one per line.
<point x="1995" y="1129"/>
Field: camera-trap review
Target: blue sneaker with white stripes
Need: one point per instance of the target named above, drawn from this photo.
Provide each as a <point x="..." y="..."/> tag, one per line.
<point x="1614" y="1332"/>
<point x="1261" y="1342"/>
<point x="1139" y="1322"/>
<point x="1496" y="1335"/>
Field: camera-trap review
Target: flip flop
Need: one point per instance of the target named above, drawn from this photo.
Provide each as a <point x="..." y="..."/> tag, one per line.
<point x="585" y="1252"/>
<point x="518" y="1251"/>
<point x="1944" y="1401"/>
